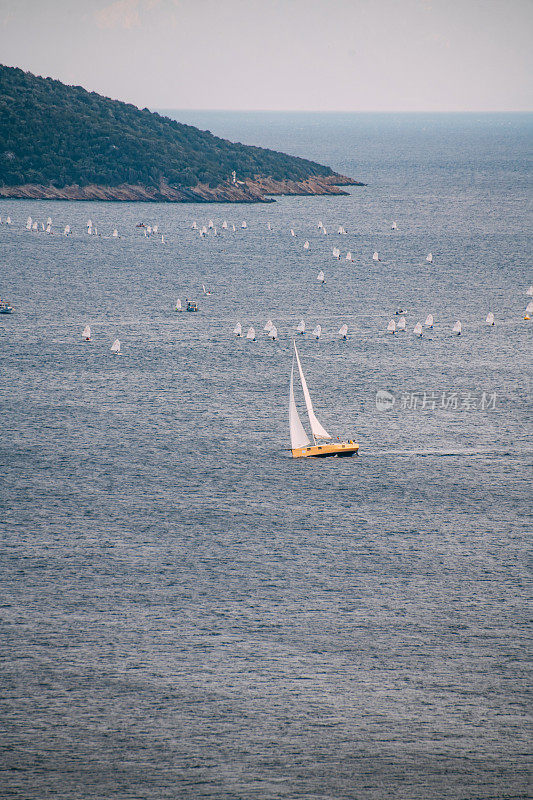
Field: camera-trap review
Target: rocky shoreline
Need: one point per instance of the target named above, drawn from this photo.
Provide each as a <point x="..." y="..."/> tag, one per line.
<point x="258" y="190"/>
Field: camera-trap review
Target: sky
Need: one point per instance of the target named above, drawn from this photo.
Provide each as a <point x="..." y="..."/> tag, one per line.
<point x="285" y="55"/>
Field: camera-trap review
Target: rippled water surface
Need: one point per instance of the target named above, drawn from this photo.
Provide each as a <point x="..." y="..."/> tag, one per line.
<point x="188" y="612"/>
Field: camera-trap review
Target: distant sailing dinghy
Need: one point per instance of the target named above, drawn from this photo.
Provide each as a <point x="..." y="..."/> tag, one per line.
<point x="87" y="333"/>
<point x="292" y="232"/>
<point x="115" y="347"/>
<point x="268" y="326"/>
<point x="349" y="256"/>
<point x="490" y="318"/>
<point x="306" y="245"/>
<point x="301" y="327"/>
<point x="317" y="333"/>
<point x="178" y="305"/>
<point x="343" y="333"/>
<point x="115" y="234"/>
<point x="251" y="334"/>
<point x="429" y="258"/>
<point x="273" y="333"/>
<point x="529" y="291"/>
<point x="375" y="256"/>
<point x="224" y="226"/>
<point x="391" y="327"/>
<point x="401" y="324"/>
<point x="237" y="330"/>
<point x="429" y="321"/>
<point x="457" y="328"/>
<point x="301" y="446"/>
<point x="417" y="330"/>
<point x="394" y="226"/>
<point x="321" y="278"/>
<point x="244" y="225"/>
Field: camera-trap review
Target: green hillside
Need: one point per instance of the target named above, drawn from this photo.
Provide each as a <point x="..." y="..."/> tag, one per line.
<point x="57" y="135"/>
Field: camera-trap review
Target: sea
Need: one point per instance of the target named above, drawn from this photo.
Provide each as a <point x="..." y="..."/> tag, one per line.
<point x="188" y="612"/>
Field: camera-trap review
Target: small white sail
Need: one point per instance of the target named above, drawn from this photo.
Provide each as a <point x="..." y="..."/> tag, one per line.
<point x="349" y="256"/>
<point x="224" y="225"/>
<point x="292" y="232"/>
<point x="343" y="333"/>
<point x="115" y="347"/>
<point x="429" y="258"/>
<point x="418" y="329"/>
<point x="210" y="224"/>
<point x="429" y="321"/>
<point x="49" y="221"/>
<point x="66" y="232"/>
<point x="391" y="327"/>
<point x="306" y="245"/>
<point x="115" y="234"/>
<point x="336" y="253"/>
<point x="155" y="229"/>
<point x="301" y="326"/>
<point x="178" y="305"/>
<point x="149" y="229"/>
<point x="244" y="225"/>
<point x="29" y="224"/>
<point x="401" y="324"/>
<point x="205" y="291"/>
<point x="48" y="229"/>
<point x="273" y="332"/>
<point x="457" y="328"/>
<point x="375" y="256"/>
<point x="237" y="330"/>
<point x="324" y="231"/>
<point x="87" y="333"/>
<point x="162" y="239"/>
<point x="251" y="334"/>
<point x="490" y="318"/>
<point x="89" y="223"/>
<point x="269" y="226"/>
<point x="529" y="308"/>
<point x="299" y="437"/>
<point x="318" y="431"/>
<point x="96" y="231"/>
<point x="317" y="332"/>
<point x="394" y="226"/>
<point x="233" y="228"/>
<point x="321" y="277"/>
<point x="8" y="220"/>
<point x="529" y="292"/>
<point x="145" y="233"/>
<point x="194" y="226"/>
<point x="268" y="325"/>
<point x="320" y="225"/>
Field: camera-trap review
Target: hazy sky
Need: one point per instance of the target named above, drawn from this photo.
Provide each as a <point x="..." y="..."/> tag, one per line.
<point x="327" y="55"/>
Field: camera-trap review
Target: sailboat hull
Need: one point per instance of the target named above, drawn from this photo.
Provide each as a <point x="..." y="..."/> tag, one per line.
<point x="340" y="449"/>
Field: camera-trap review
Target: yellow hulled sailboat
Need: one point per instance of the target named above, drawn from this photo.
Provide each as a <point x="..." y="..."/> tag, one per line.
<point x="301" y="446"/>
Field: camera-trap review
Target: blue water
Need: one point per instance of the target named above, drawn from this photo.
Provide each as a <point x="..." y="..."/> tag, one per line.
<point x="186" y="611"/>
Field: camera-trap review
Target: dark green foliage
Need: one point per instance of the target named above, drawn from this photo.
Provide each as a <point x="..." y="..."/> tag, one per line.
<point x="61" y="135"/>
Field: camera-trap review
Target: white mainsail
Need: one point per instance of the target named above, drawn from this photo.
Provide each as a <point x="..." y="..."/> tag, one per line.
<point x="321" y="277"/>
<point x="306" y="245"/>
<point x="401" y="324"/>
<point x="178" y="305"/>
<point x="237" y="330"/>
<point x="29" y="224"/>
<point x="87" y="333"/>
<point x="429" y="258"/>
<point x="391" y="327"/>
<point x="318" y="431"/>
<point x="299" y="437"/>
<point x="268" y="326"/>
<point x="210" y="224"/>
<point x="301" y="327"/>
<point x="529" y="291"/>
<point x="115" y="347"/>
<point x="343" y="331"/>
<point x="115" y="234"/>
<point x="429" y="321"/>
<point x="224" y="225"/>
<point x="292" y="232"/>
<point x="317" y="332"/>
<point x="273" y="332"/>
<point x="244" y="225"/>
<point x="490" y="318"/>
<point x="8" y="220"/>
<point x="394" y="226"/>
<point x="66" y="232"/>
<point x="457" y="328"/>
<point x="194" y="225"/>
<point x="349" y="256"/>
<point x="251" y="333"/>
<point x="375" y="256"/>
<point x="418" y="329"/>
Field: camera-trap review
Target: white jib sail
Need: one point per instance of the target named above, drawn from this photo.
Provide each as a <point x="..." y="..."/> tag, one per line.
<point x="318" y="431"/>
<point x="273" y="332"/>
<point x="299" y="437"/>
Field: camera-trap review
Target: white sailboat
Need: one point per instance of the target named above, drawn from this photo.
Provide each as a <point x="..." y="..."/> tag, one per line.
<point x="115" y="234"/>
<point x="429" y="258"/>
<point x="336" y="253"/>
<point x="417" y="330"/>
<point x="233" y="228"/>
<point x="194" y="226"/>
<point x="394" y="226"/>
<point x="375" y="256"/>
<point x="244" y="225"/>
<point x="224" y="225"/>
<point x="48" y="229"/>
<point x="29" y="224"/>
<point x="8" y="220"/>
<point x="490" y="318"/>
<point x="251" y="334"/>
<point x="273" y="333"/>
<point x="301" y="446"/>
<point x="401" y="324"/>
<point x="321" y="277"/>
<point x="429" y="321"/>
<point x="162" y="239"/>
<point x="269" y="226"/>
<point x="237" y="330"/>
<point x="87" y="333"/>
<point x="66" y="232"/>
<point x="178" y="305"/>
<point x="210" y="224"/>
<point x="49" y="221"/>
<point x="268" y="325"/>
<point x="529" y="292"/>
<point x="292" y="232"/>
<point x="317" y="332"/>
<point x="115" y="347"/>
<point x="349" y="256"/>
<point x="391" y="327"/>
<point x="343" y="333"/>
<point x="155" y="229"/>
<point x="320" y="225"/>
<point x="457" y="328"/>
<point x="205" y="291"/>
<point x="301" y="327"/>
<point x="306" y="245"/>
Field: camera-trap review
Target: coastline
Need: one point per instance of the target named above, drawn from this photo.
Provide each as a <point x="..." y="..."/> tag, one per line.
<point x="258" y="190"/>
